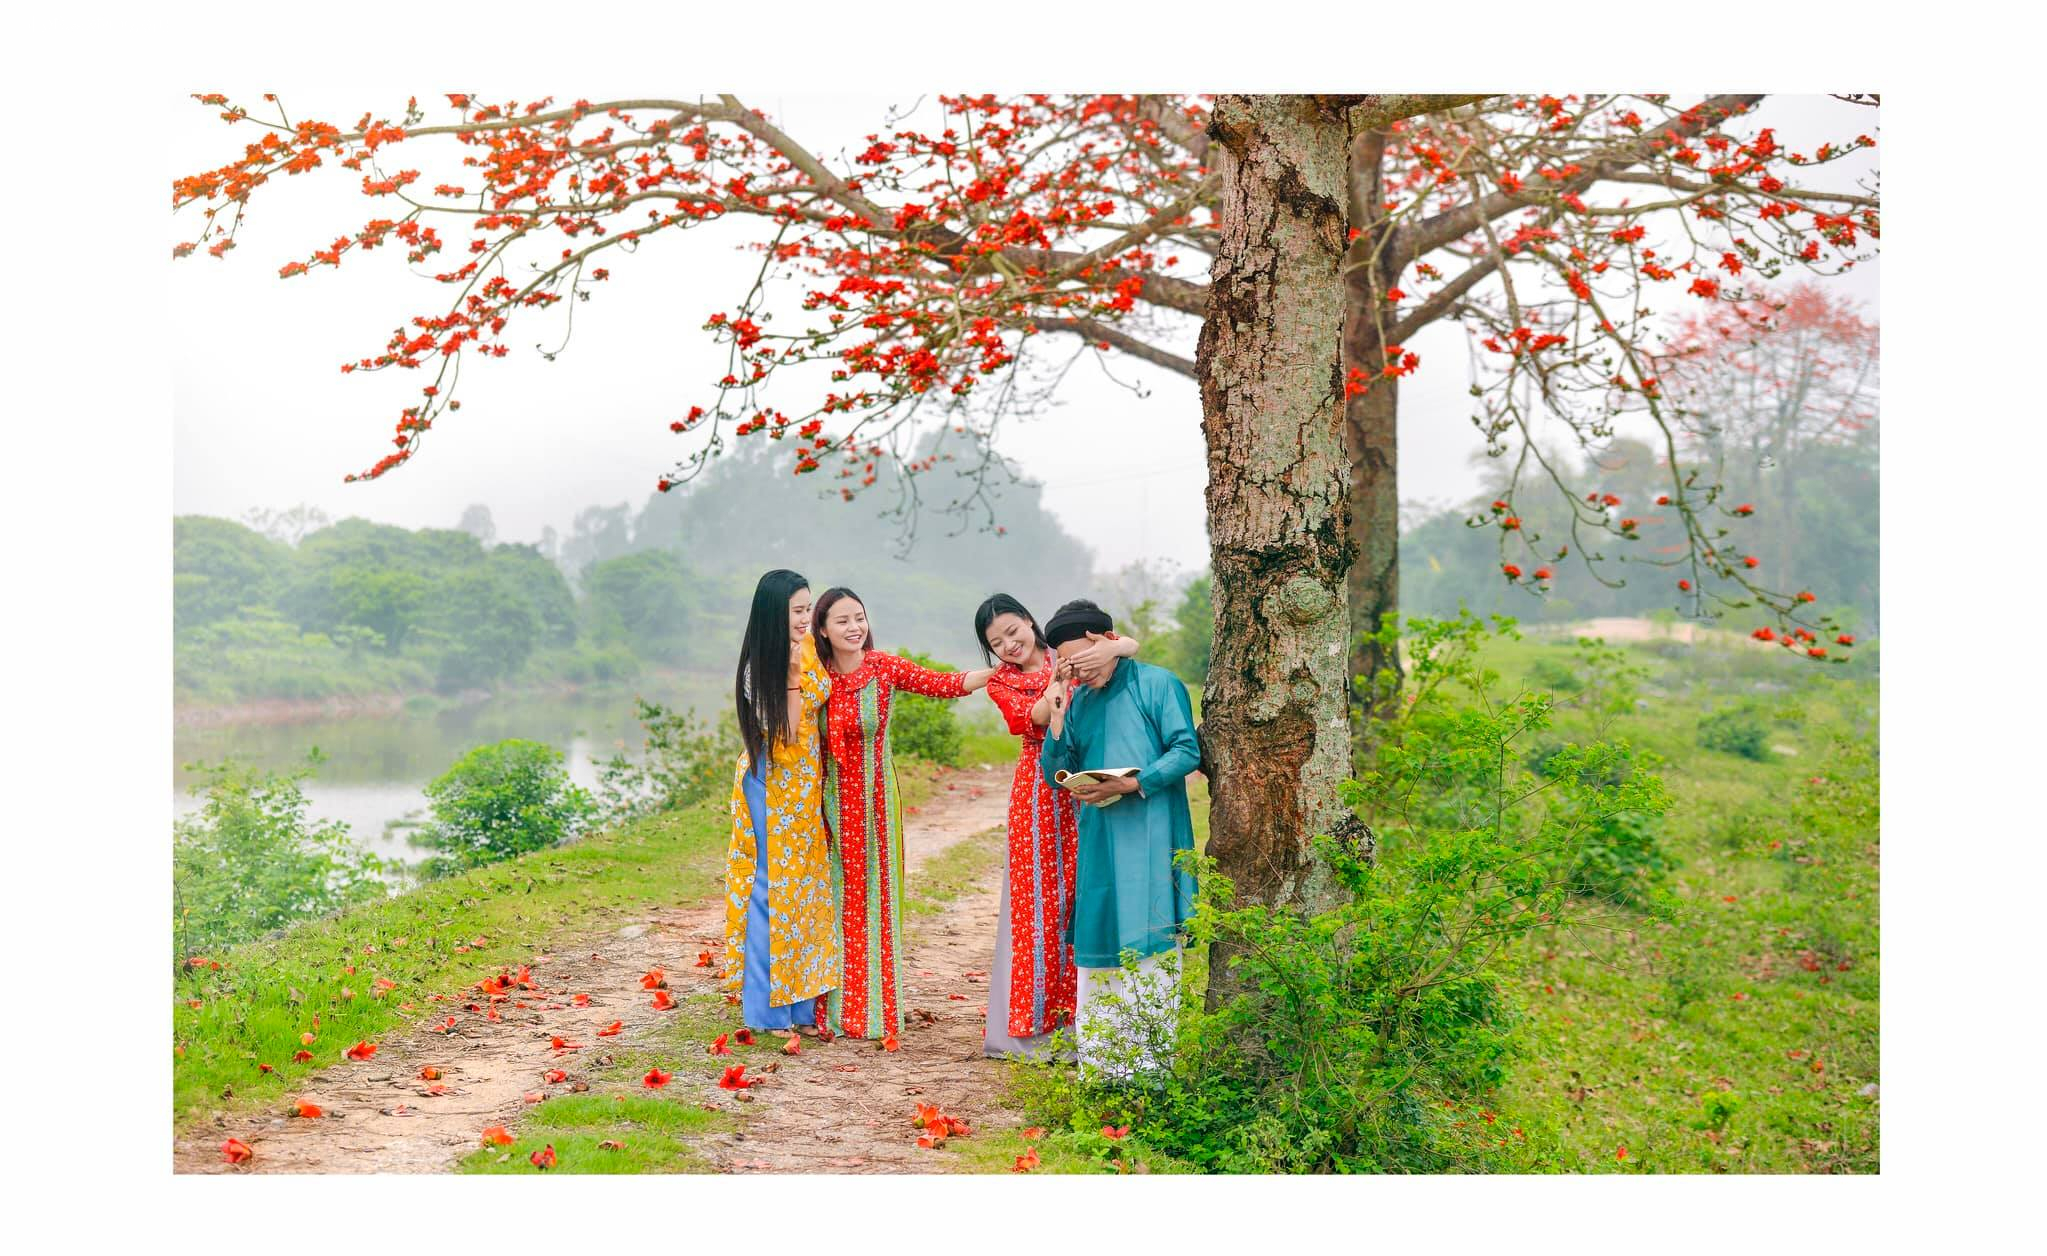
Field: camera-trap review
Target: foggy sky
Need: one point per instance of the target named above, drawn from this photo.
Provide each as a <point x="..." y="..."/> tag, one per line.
<point x="264" y="418"/>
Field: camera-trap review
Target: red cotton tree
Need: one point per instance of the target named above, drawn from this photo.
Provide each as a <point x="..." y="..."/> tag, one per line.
<point x="1760" y="385"/>
<point x="933" y="264"/>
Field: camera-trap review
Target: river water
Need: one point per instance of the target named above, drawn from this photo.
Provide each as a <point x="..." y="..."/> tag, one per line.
<point x="376" y="768"/>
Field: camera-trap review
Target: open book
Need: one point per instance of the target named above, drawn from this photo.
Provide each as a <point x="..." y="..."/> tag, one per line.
<point x="1062" y="779"/>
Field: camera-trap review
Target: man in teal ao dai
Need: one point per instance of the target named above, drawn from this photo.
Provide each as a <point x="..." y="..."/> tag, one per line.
<point x="1129" y="895"/>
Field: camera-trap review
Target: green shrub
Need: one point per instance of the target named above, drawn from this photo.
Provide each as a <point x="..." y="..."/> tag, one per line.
<point x="682" y="763"/>
<point x="1548" y="673"/>
<point x="1367" y="1035"/>
<point x="501" y="800"/>
<point x="925" y="727"/>
<point x="1736" y="730"/>
<point x="251" y="861"/>
<point x="1622" y="858"/>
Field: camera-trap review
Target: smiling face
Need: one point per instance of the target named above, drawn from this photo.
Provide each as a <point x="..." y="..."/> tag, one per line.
<point x="845" y="626"/>
<point x="1011" y="639"/>
<point x="799" y="616"/>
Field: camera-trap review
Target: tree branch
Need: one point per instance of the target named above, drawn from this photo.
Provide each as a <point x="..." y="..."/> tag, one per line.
<point x="800" y="157"/>
<point x="1789" y="194"/>
<point x="1374" y="112"/>
<point x="1443" y="299"/>
<point x="1143" y="231"/>
<point x="1164" y="114"/>
<point x="1432" y="233"/>
<point x="1090" y="329"/>
<point x="1163" y="290"/>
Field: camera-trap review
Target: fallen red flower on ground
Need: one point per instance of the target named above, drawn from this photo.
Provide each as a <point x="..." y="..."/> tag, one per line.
<point x="361" y="1051"/>
<point x="544" y="1158"/>
<point x="655" y="1078"/>
<point x="236" y="1151"/>
<point x="734" y="1078"/>
<point x="496" y="1134"/>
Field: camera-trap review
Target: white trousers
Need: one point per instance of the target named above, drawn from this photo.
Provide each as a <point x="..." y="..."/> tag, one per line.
<point x="1126" y="1018"/>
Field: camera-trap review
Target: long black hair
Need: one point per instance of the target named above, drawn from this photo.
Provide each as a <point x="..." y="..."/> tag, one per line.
<point x="825" y="601"/>
<point x="763" y="660"/>
<point x="1003" y="604"/>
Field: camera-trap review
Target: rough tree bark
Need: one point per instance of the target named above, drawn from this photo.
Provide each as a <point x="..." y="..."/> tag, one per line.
<point x="1275" y="714"/>
<point x="1371" y="429"/>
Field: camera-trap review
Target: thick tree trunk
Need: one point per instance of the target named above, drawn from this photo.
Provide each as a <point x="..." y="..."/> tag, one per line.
<point x="1275" y="729"/>
<point x="1370" y="429"/>
<point x="1373" y="587"/>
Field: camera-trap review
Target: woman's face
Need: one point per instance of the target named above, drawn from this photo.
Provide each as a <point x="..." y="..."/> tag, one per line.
<point x="799" y="616"/>
<point x="845" y="626"/>
<point x="1011" y="639"/>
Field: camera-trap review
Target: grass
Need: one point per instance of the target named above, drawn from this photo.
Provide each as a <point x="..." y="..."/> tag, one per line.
<point x="657" y="1127"/>
<point x="954" y="871"/>
<point x="1742" y="1035"/>
<point x="652" y="1135"/>
<point x="1691" y="1042"/>
<point x="980" y="744"/>
<point x="1059" y="1152"/>
<point x="436" y="940"/>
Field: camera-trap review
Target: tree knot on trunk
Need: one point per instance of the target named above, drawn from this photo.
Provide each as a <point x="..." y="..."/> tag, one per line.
<point x="1305" y="600"/>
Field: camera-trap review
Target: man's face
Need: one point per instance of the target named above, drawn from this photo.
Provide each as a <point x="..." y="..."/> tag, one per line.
<point x="1095" y="676"/>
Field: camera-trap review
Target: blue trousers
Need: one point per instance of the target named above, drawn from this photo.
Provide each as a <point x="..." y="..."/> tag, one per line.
<point x="753" y="988"/>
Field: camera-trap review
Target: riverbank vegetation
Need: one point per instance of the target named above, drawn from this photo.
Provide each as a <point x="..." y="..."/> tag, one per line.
<point x="1590" y="932"/>
<point x="1582" y="941"/>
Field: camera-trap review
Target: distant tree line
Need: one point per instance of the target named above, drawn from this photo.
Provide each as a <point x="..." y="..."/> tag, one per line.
<point x="1815" y="513"/>
<point x="297" y="607"/>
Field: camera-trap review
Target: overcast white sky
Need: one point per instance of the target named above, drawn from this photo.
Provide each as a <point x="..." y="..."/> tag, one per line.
<point x="263" y="416"/>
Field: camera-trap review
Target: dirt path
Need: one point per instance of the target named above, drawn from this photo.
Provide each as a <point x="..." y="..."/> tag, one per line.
<point x="838" y="1107"/>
